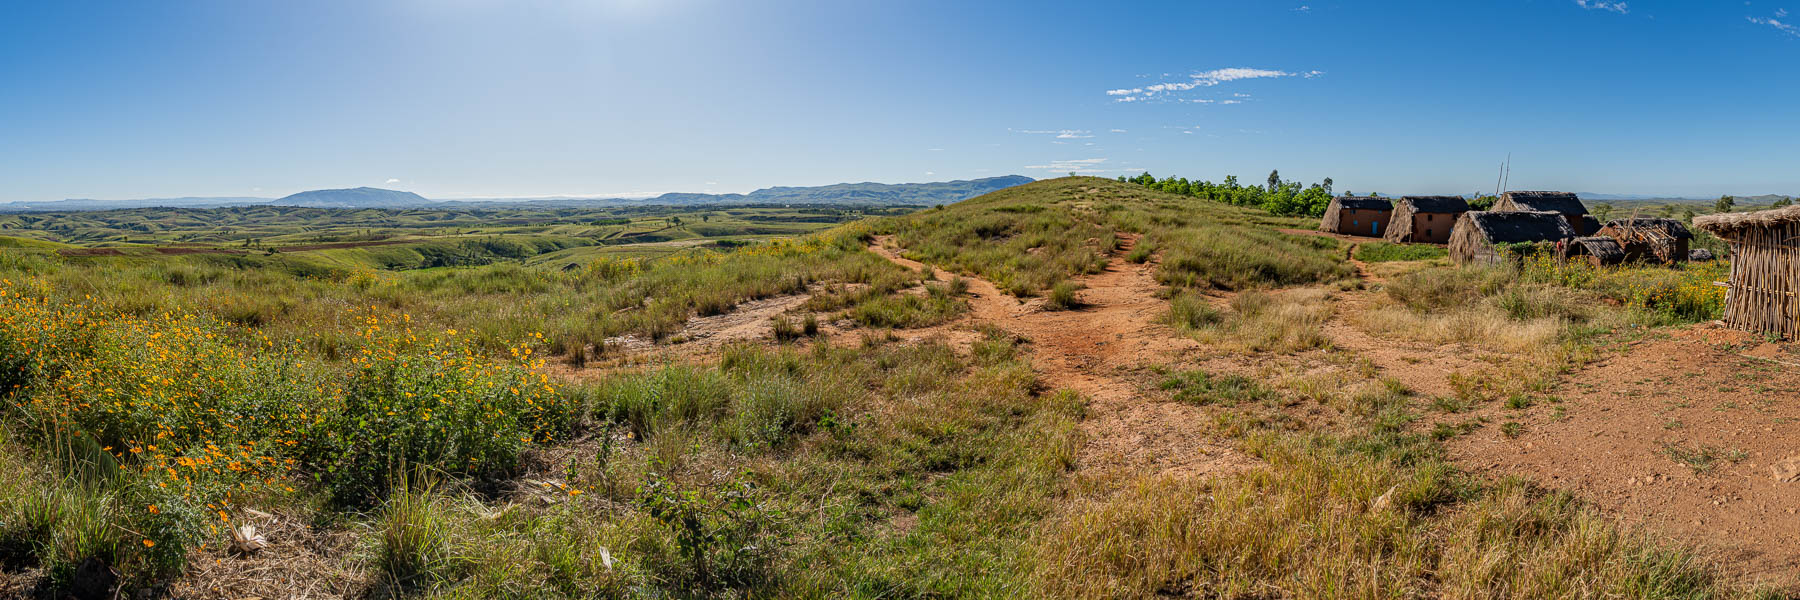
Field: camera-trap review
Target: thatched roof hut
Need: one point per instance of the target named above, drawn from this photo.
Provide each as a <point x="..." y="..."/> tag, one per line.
<point x="1425" y="219"/>
<point x="1598" y="250"/>
<point x="1479" y="234"/>
<point x="1644" y="239"/>
<point x="1565" y="203"/>
<point x="1357" y="215"/>
<point x="1764" y="293"/>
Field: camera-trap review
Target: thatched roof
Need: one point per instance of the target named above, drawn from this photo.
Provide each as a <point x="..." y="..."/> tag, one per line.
<point x="1436" y="204"/>
<point x="1606" y="249"/>
<point x="1670" y="227"/>
<point x="1563" y="202"/>
<point x="1520" y="226"/>
<point x="1364" y="202"/>
<point x="1727" y="222"/>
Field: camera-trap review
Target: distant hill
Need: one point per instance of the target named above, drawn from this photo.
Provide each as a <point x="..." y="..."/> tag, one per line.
<point x="866" y="194"/>
<point x="881" y="193"/>
<point x="362" y="197"/>
<point x="85" y="204"/>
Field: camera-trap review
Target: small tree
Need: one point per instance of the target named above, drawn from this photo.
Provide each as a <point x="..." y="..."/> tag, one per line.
<point x="1724" y="204"/>
<point x="1603" y="211"/>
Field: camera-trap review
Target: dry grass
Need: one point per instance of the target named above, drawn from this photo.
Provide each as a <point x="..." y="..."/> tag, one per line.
<point x="1335" y="521"/>
<point x="1286" y="322"/>
<point x="1482" y="326"/>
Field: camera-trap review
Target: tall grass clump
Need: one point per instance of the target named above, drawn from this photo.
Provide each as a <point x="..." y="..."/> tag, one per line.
<point x="1062" y="296"/>
<point x="1291" y="321"/>
<point x="1189" y="311"/>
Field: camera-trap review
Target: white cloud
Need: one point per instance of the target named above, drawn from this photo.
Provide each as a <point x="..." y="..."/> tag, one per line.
<point x="1118" y="131"/>
<point x="1780" y="12"/>
<point x="1080" y="165"/>
<point x="930" y="172"/>
<point x="1240" y="95"/>
<point x="1063" y="134"/>
<point x="1303" y="9"/>
<point x="1618" y="7"/>
<point x="1783" y="26"/>
<point x="1203" y="79"/>
<point x="392" y="180"/>
<point x="1232" y="102"/>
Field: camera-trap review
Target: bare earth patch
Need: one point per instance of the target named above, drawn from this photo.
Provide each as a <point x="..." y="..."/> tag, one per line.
<point x="1678" y="432"/>
<point x="1097" y="350"/>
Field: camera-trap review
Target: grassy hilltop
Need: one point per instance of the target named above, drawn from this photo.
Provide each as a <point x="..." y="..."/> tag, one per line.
<point x="395" y="427"/>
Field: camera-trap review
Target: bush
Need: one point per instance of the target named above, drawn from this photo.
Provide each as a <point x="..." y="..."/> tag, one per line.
<point x="1189" y="311"/>
<point x="1062" y="296"/>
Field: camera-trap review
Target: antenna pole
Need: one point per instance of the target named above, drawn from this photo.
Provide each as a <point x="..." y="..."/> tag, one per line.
<point x="1508" y="177"/>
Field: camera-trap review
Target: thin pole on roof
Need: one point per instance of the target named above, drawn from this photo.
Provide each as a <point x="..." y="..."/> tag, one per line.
<point x="1498" y="175"/>
<point x="1507" y="186"/>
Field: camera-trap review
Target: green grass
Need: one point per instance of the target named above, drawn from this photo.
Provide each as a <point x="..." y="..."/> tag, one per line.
<point x="1386" y="252"/>
<point x="408" y="416"/>
<point x="1200" y="387"/>
<point x="1202" y="243"/>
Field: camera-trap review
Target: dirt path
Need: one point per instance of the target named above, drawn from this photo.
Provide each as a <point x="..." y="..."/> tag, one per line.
<point x="1100" y="351"/>
<point x="1626" y="423"/>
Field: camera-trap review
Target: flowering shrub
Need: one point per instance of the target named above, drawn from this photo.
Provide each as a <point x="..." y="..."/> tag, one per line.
<point x="1683" y="294"/>
<point x="185" y="414"/>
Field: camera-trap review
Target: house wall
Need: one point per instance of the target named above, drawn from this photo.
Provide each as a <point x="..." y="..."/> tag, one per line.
<point x="1363" y="222"/>
<point x="1765" y="292"/>
<point x="1432" y="228"/>
<point x="1578" y="224"/>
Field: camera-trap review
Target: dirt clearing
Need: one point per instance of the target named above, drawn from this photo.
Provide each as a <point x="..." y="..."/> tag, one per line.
<point x="1101" y="350"/>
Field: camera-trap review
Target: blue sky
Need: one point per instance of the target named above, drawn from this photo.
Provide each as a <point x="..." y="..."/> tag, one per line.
<point x="469" y="98"/>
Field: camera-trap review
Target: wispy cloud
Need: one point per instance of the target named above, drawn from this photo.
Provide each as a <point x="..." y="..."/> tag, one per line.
<point x="392" y="180"/>
<point x="1080" y="165"/>
<point x="1303" y="9"/>
<point x="1118" y="131"/>
<point x="1065" y="134"/>
<point x="1779" y="25"/>
<point x="1203" y="79"/>
<point x="1618" y="7"/>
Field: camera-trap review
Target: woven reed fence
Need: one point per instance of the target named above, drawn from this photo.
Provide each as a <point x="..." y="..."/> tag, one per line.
<point x="1764" y="292"/>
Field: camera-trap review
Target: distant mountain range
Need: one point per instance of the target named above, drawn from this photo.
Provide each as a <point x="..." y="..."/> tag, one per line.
<point x="867" y="194"/>
<point x="362" y="197"/>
